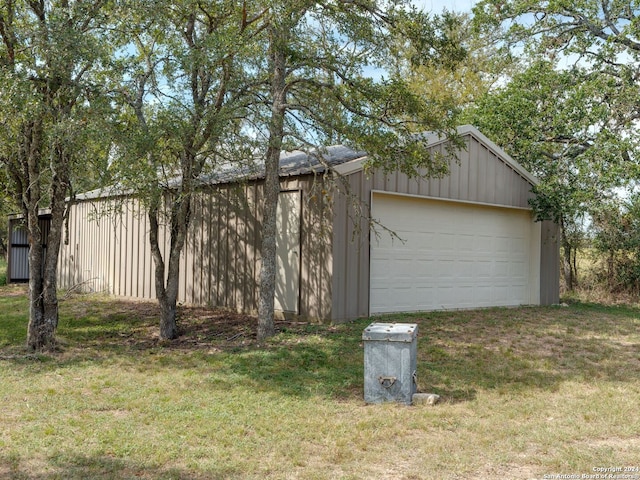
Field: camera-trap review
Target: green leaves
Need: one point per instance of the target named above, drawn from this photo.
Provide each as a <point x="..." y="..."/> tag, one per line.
<point x="51" y="73"/>
<point x="569" y="117"/>
<point x="556" y="123"/>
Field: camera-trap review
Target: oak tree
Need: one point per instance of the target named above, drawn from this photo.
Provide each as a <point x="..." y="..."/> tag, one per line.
<point x="51" y="56"/>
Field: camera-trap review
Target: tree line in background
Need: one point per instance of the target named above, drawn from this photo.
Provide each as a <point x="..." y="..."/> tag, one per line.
<point x="154" y="95"/>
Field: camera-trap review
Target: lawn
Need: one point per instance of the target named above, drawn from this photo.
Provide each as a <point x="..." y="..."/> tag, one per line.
<point x="525" y="393"/>
<point x="3" y="271"/>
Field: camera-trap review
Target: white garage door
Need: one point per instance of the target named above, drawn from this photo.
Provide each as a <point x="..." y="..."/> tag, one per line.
<point x="451" y="255"/>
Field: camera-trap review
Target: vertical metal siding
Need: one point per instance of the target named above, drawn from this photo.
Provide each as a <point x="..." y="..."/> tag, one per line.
<point x="18" y="247"/>
<point x="549" y="264"/>
<point x="196" y="239"/>
<point x="464" y="172"/>
<point x="19" y="264"/>
<point x="18" y="252"/>
<point x="220" y="263"/>
<point x="316" y="269"/>
<point x="350" y="286"/>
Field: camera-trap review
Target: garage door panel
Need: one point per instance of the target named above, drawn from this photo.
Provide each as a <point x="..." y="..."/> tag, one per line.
<point x="452" y="255"/>
<point x="483" y="244"/>
<point x="446" y="242"/>
<point x="501" y="271"/>
<point x="465" y="243"/>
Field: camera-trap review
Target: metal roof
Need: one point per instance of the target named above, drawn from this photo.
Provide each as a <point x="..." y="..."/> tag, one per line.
<point x="294" y="163"/>
<point x="314" y="161"/>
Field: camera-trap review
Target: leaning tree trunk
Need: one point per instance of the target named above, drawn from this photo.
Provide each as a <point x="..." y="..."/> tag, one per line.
<point x="268" y="268"/>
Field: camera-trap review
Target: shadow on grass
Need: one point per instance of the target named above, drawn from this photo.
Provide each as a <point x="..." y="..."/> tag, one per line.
<point x="81" y="467"/>
<point x="459" y="353"/>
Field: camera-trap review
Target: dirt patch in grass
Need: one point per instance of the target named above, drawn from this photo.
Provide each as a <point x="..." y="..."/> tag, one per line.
<point x="14" y="290"/>
<point x="501" y="472"/>
<point x="135" y="324"/>
<point x="201" y="327"/>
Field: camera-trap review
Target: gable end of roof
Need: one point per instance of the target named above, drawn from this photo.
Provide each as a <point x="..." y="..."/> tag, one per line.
<point x="433" y="139"/>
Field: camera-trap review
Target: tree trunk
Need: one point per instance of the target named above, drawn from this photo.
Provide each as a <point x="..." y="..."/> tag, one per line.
<point x="567" y="269"/>
<point x="42" y="322"/>
<point x="268" y="268"/>
<point x="169" y="321"/>
<point x="41" y="328"/>
<point x="40" y="332"/>
<point x="168" y="318"/>
<point x="611" y="270"/>
<point x="50" y="271"/>
<point x="59" y="187"/>
<point x="167" y="293"/>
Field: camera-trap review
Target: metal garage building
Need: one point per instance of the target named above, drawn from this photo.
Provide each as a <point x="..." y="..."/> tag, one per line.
<point x="462" y="241"/>
<point x="466" y="240"/>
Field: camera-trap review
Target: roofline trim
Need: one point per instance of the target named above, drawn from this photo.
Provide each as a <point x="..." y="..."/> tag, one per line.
<point x="351" y="166"/>
<point x="470" y="129"/>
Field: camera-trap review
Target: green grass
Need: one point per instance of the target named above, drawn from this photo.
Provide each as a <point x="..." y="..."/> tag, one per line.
<point x="525" y="393"/>
<point x="3" y="271"/>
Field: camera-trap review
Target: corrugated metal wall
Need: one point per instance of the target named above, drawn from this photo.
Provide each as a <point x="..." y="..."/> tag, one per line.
<point x="18" y="265"/>
<point x="108" y="248"/>
<point x="18" y="254"/>
<point x="479" y="176"/>
<point x="549" y="263"/>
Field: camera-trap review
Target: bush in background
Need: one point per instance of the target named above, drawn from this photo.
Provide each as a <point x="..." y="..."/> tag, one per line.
<point x="616" y="238"/>
<point x="608" y="264"/>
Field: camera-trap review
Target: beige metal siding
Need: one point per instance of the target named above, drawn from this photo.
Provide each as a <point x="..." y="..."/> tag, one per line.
<point x="478" y="176"/>
<point x="549" y="264"/>
<point x="108" y="248"/>
<point x="350" y="285"/>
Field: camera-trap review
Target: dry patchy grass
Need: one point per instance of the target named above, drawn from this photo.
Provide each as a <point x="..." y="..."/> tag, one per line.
<point x="525" y="393"/>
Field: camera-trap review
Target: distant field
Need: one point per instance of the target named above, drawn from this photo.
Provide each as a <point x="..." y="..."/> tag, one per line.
<point x="525" y="393"/>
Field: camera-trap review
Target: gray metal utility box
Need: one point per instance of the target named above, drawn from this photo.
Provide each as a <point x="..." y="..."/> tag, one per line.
<point x="390" y="362"/>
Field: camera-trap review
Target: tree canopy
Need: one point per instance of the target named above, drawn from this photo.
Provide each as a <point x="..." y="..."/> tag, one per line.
<point x="212" y="84"/>
<point x="600" y="36"/>
<point x="52" y="110"/>
<point x="569" y="115"/>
